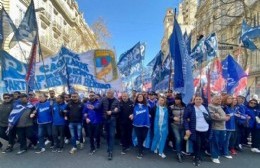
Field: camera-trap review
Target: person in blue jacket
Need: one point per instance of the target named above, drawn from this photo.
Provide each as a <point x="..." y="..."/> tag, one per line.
<point x="160" y="127"/>
<point x="230" y="124"/>
<point x="254" y="124"/>
<point x="44" y="120"/>
<point x="93" y="118"/>
<point x="58" y="125"/>
<point x="141" y="122"/>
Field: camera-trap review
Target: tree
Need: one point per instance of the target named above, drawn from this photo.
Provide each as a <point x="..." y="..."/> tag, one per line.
<point x="101" y="33"/>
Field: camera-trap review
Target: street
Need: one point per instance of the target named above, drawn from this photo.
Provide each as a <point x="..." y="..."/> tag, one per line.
<point x="98" y="160"/>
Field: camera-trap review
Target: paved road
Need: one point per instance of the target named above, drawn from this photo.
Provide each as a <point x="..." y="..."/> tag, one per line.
<point x="81" y="159"/>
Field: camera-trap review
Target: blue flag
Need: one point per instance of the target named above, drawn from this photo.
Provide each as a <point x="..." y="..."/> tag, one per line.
<point x="187" y="40"/>
<point x="232" y="72"/>
<point x="130" y="61"/>
<point x="198" y="53"/>
<point x="211" y="43"/>
<point x="6" y="26"/>
<point x="248" y="34"/>
<point x="183" y="78"/>
<point x="157" y="69"/>
<point x="27" y="29"/>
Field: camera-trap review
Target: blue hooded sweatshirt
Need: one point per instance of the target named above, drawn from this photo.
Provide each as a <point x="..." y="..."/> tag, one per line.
<point x="141" y="116"/>
<point x="58" y="117"/>
<point x="43" y="110"/>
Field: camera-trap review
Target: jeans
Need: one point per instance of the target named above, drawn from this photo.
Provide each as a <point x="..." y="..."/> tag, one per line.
<point x="141" y="133"/>
<point x="178" y="134"/>
<point x="43" y="130"/>
<point x="23" y="134"/>
<point x="10" y="137"/>
<point x="217" y="143"/>
<point x="58" y="130"/>
<point x="126" y="135"/>
<point x="110" y="126"/>
<point x="229" y="134"/>
<point x="94" y="135"/>
<point x="75" y="128"/>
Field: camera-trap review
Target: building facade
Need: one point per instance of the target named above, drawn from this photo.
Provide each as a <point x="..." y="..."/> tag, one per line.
<point x="225" y="19"/>
<point x="60" y="23"/>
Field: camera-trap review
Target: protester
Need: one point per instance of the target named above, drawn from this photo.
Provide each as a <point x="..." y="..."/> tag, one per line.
<point x="74" y="114"/>
<point x="218" y="136"/>
<point x="254" y="124"/>
<point x="58" y="125"/>
<point x="196" y="124"/>
<point x="43" y="113"/>
<point x="152" y="101"/>
<point x="125" y="110"/>
<point x="176" y="119"/>
<point x="160" y="127"/>
<point x="141" y="122"/>
<point x="230" y="110"/>
<point x="94" y="119"/>
<point x="20" y="117"/>
<point x="5" y="109"/>
<point x="110" y="107"/>
<point x="32" y="98"/>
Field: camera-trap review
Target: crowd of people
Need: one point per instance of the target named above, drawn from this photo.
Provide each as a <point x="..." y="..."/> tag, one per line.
<point x="221" y="127"/>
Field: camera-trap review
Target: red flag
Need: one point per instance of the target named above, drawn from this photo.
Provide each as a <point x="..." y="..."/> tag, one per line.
<point x="30" y="75"/>
<point x="242" y="84"/>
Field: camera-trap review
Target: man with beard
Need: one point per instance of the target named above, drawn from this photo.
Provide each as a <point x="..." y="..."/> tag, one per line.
<point x="74" y="115"/>
<point x="93" y="118"/>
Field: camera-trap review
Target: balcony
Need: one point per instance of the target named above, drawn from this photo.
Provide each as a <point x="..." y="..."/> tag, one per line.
<point x="56" y="28"/>
<point x="45" y="17"/>
<point x="66" y="36"/>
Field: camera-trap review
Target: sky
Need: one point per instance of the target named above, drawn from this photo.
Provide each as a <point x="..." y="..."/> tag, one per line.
<point x="130" y="21"/>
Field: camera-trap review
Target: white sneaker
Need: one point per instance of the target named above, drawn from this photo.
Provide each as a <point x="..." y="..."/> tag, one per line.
<point x="162" y="155"/>
<point x="73" y="150"/>
<point x="77" y="142"/>
<point x="216" y="161"/>
<point x="240" y="146"/>
<point x="47" y="142"/>
<point x="41" y="151"/>
<point x="228" y="157"/>
<point x="255" y="150"/>
<point x="66" y="141"/>
<point x="155" y="151"/>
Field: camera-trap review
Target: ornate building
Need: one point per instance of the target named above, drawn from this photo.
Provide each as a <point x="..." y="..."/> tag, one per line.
<point x="225" y="19"/>
<point x="60" y="23"/>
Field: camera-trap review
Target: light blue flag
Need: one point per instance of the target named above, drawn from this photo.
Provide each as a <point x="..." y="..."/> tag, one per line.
<point x="248" y="34"/>
<point x="182" y="64"/>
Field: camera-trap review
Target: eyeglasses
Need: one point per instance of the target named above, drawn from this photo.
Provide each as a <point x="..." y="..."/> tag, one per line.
<point x="6" y="98"/>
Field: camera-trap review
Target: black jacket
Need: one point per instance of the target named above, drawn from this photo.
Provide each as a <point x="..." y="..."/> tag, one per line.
<point x="125" y="110"/>
<point x="104" y="106"/>
<point x="75" y="112"/>
<point x="5" y="110"/>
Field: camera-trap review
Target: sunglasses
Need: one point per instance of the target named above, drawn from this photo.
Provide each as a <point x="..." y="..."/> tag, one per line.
<point x="6" y="98"/>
